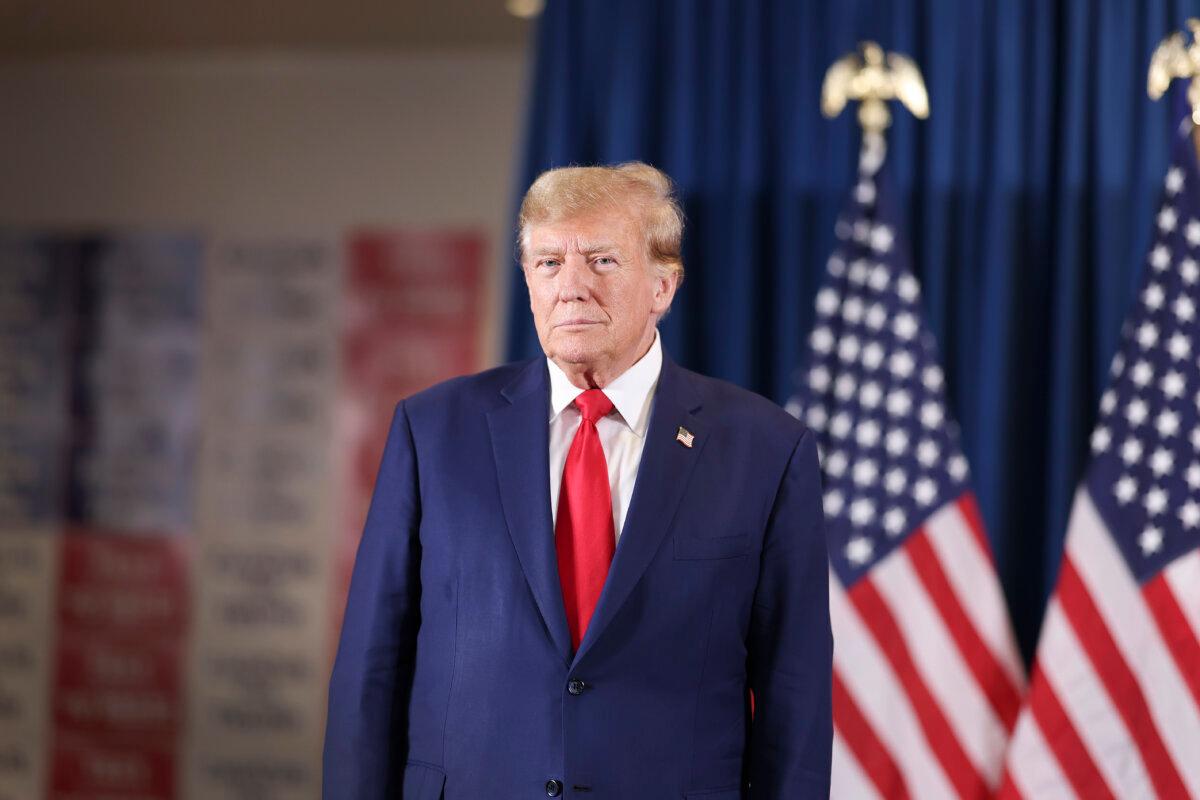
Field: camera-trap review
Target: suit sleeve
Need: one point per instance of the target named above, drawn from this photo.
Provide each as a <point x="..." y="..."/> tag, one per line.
<point x="366" y="729"/>
<point x="790" y="648"/>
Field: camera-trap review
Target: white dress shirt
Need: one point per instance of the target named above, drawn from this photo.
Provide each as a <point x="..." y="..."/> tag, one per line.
<point x="622" y="432"/>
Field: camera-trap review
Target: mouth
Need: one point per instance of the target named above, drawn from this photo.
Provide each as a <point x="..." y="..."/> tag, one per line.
<point x="576" y="324"/>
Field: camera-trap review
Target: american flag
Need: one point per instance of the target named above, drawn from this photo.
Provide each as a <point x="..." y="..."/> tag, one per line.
<point x="927" y="679"/>
<point x="1114" y="703"/>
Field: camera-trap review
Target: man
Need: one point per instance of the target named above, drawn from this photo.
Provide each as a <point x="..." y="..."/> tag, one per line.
<point x="576" y="568"/>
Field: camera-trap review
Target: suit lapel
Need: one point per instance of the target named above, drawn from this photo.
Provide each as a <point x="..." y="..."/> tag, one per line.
<point x="662" y="478"/>
<point x="520" y="445"/>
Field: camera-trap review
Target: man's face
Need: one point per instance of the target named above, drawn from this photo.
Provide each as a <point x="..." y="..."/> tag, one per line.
<point x="594" y="293"/>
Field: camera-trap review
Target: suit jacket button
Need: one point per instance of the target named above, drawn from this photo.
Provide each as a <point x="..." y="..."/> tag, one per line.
<point x="576" y="686"/>
<point x="553" y="787"/>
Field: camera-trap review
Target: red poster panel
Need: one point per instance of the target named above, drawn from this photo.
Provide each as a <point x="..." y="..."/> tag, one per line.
<point x="413" y="316"/>
<point x="117" y="701"/>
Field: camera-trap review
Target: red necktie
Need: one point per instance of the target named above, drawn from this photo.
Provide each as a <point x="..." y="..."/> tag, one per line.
<point x="584" y="535"/>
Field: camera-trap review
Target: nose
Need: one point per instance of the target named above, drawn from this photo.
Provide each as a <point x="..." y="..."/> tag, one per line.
<point x="574" y="279"/>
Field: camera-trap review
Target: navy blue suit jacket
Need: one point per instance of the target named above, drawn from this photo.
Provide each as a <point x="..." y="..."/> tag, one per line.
<point x="455" y="676"/>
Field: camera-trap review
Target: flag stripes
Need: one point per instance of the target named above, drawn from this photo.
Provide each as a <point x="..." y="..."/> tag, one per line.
<point x="886" y="708"/>
<point x="1002" y="694"/>
<point x="854" y="731"/>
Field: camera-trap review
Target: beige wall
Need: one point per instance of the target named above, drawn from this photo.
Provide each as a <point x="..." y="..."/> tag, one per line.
<point x="287" y="143"/>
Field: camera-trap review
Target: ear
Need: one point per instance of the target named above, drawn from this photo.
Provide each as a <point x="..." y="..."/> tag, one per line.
<point x="666" y="281"/>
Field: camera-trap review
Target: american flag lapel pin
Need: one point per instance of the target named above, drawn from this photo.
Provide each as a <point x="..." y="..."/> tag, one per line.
<point x="684" y="436"/>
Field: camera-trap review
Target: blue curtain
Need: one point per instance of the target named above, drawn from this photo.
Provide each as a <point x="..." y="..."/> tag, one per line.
<point x="1028" y="197"/>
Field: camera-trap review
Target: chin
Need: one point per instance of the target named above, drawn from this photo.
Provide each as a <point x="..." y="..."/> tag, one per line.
<point x="574" y="352"/>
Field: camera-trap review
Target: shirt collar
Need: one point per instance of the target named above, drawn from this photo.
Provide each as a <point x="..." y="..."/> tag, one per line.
<point x="629" y="393"/>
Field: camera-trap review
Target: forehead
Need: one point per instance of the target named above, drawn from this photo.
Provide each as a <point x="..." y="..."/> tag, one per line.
<point x="592" y="230"/>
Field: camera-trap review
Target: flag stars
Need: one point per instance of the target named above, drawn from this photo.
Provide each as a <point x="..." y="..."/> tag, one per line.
<point x="845" y="387"/>
<point x="1189" y="514"/>
<point x="1189" y="270"/>
<point x="932" y="415"/>
<point x="862" y="512"/>
<point x="827" y="302"/>
<point x="907" y="288"/>
<point x="1108" y="401"/>
<point x="895" y="481"/>
<point x="1101" y="439"/>
<point x="1167" y="219"/>
<point x="1156" y="501"/>
<point x="836" y="263"/>
<point x="899" y="402"/>
<point x="865" y="472"/>
<point x="1174" y="182"/>
<point x="924" y="491"/>
<point x="1173" y="385"/>
<point x="833" y="503"/>
<point x="1136" y="411"/>
<point x="931" y="378"/>
<point x="1179" y="346"/>
<point x="859" y="550"/>
<point x="1167" y="424"/>
<point x="893" y="522"/>
<point x="1193" y="475"/>
<point x="848" y="349"/>
<point x="1184" y="308"/>
<point x="859" y="271"/>
<point x="905" y="326"/>
<point x="1118" y="365"/>
<point x="870" y="395"/>
<point x="1192" y="232"/>
<point x="1153" y="297"/>
<point x="872" y="356"/>
<point x="1150" y="540"/>
<point x="1162" y="462"/>
<point x="818" y="379"/>
<point x="881" y="238"/>
<point x="816" y="418"/>
<point x="867" y="433"/>
<point x="835" y="464"/>
<point x="958" y="467"/>
<point x="880" y="278"/>
<point x="896" y="442"/>
<point x="1160" y="257"/>
<point x="822" y="340"/>
<point x="839" y="426"/>
<point x="1141" y="374"/>
<point x="1125" y="489"/>
<point x="852" y="310"/>
<point x="864" y="192"/>
<point x="876" y="317"/>
<point x="928" y="452"/>
<point x="1147" y="335"/>
<point x="901" y="364"/>
<point x="1131" y="451"/>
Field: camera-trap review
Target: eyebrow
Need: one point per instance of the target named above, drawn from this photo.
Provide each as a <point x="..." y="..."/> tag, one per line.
<point x="585" y="248"/>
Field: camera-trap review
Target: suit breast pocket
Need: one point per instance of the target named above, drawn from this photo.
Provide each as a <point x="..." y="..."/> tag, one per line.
<point x="700" y="548"/>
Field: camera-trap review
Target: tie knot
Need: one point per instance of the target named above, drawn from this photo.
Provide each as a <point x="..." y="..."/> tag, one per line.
<point x="593" y="404"/>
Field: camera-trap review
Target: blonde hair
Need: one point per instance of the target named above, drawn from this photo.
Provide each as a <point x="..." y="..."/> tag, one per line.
<point x="566" y="191"/>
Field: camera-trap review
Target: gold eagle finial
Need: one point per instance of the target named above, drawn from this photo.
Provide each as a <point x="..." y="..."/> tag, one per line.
<point x="1175" y="58"/>
<point x="866" y="76"/>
